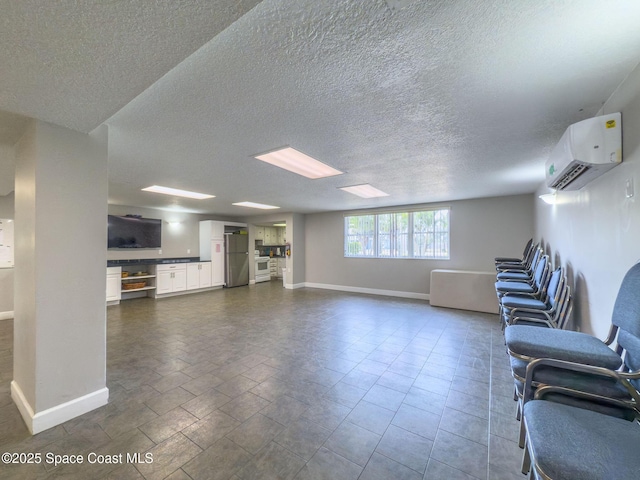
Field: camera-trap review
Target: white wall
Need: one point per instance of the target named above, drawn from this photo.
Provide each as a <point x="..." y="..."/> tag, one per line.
<point x="481" y="229"/>
<point x="594" y="232"/>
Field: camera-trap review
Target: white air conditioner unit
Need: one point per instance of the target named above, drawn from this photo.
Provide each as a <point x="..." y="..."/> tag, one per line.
<point x="586" y="150"/>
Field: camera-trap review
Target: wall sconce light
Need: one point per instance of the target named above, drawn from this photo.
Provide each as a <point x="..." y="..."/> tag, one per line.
<point x="548" y="198"/>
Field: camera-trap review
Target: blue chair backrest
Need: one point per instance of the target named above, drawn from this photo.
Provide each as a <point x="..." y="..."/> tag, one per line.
<point x="536" y="256"/>
<point x="626" y="316"/>
<point x="626" y="310"/>
<point x="553" y="289"/>
<point x="540" y="271"/>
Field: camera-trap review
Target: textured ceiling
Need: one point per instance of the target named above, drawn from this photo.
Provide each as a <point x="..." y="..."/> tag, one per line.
<point x="427" y="100"/>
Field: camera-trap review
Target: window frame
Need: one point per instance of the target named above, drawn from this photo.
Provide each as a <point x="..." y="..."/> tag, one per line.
<point x="394" y="242"/>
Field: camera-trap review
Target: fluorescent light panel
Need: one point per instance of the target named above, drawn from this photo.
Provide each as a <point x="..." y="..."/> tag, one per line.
<point x="297" y="162"/>
<point x="365" y="191"/>
<point x="255" y="205"/>
<point x="279" y="224"/>
<point x="176" y="192"/>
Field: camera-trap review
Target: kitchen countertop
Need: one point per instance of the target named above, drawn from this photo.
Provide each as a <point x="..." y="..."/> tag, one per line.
<point x="153" y="261"/>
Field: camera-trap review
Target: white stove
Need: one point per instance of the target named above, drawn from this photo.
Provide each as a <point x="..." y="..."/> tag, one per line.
<point x="262" y="271"/>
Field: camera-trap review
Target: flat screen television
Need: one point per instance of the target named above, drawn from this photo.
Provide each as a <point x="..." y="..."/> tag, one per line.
<point x="132" y="231"/>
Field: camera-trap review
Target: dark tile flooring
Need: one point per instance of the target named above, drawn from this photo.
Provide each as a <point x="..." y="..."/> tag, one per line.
<point x="261" y="382"/>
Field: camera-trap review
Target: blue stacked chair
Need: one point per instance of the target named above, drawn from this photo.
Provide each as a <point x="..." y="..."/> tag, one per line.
<point x="579" y="370"/>
<point x="504" y="263"/>
<point x="525" y="254"/>
<point x="569" y="443"/>
<point x="527" y="307"/>
<point x="533" y="288"/>
<point x="519" y="274"/>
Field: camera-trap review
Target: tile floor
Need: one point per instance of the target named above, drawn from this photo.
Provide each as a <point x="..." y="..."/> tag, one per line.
<point x="261" y="382"/>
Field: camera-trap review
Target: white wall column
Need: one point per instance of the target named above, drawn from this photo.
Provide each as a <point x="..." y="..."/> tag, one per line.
<point x="60" y="280"/>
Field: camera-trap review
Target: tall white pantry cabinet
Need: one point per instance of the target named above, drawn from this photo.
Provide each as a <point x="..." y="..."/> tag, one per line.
<point x="212" y="248"/>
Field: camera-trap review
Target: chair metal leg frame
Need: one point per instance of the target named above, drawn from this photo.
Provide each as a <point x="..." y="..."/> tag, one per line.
<point x="545" y="313"/>
<point x="554" y="315"/>
<point x="559" y="320"/>
<point x="622" y="377"/>
<point x="526" y="461"/>
<point x="540" y="284"/>
<point x="518" y="398"/>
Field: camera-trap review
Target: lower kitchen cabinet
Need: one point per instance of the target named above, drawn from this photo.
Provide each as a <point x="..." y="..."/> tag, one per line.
<point x="171" y="278"/>
<point x="136" y="280"/>
<point x="198" y="275"/>
<point x="113" y="284"/>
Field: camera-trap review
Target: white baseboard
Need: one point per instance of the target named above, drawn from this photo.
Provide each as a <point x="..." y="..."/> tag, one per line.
<point x="369" y="291"/>
<point x="6" y="315"/>
<point x="51" y="417"/>
<point x="293" y="286"/>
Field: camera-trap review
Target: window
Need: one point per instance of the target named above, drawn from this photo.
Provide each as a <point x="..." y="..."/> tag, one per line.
<point x="359" y="236"/>
<point x="423" y="234"/>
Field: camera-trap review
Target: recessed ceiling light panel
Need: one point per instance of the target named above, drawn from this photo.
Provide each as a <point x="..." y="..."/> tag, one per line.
<point x="365" y="191"/>
<point x="297" y="162"/>
<point x="176" y="192"/>
<point x="255" y="205"/>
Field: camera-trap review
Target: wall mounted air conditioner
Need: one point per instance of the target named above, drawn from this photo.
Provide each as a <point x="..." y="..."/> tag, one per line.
<point x="586" y="150"/>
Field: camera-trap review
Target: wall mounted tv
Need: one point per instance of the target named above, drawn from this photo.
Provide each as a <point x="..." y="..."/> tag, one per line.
<point x="132" y="231"/>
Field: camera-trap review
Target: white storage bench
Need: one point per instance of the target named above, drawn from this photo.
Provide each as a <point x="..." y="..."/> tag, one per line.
<point x="464" y="289"/>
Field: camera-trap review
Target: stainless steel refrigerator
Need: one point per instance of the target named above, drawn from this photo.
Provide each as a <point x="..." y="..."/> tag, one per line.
<point x="236" y="262"/>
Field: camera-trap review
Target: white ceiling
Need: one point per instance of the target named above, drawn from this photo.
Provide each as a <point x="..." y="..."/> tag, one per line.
<point x="429" y="101"/>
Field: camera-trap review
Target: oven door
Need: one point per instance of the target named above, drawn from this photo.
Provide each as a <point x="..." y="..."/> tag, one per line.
<point x="262" y="271"/>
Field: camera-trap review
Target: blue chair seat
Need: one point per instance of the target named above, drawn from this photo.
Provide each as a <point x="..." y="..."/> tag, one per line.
<point x="511" y="301"/>
<point x="525" y="277"/>
<point x="507" y="260"/>
<point x="560" y="344"/>
<point x="568" y="443"/>
<point x="511" y="266"/>
<point x="532" y="323"/>
<point x="523" y="316"/>
<point x="515" y="287"/>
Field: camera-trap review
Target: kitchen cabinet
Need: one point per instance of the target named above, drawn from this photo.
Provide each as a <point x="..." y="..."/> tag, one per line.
<point x="272" y="235"/>
<point x="217" y="263"/>
<point x="259" y="233"/>
<point x="171" y="278"/>
<point x="210" y="230"/>
<point x="198" y="275"/>
<point x="268" y="236"/>
<point x="113" y="284"/>
<point x="282" y="263"/>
